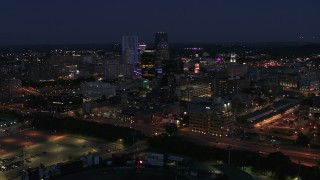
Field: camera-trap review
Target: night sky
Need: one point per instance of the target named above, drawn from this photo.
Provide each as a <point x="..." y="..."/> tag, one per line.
<point x="208" y="21"/>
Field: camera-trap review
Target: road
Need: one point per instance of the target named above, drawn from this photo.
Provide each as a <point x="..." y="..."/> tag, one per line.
<point x="258" y="131"/>
<point x="307" y="157"/>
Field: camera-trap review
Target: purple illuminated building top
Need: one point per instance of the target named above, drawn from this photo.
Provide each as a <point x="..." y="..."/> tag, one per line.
<point x="159" y="70"/>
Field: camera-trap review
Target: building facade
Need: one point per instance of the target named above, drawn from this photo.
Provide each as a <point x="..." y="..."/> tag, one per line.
<point x="206" y="120"/>
<point x="96" y="90"/>
<point x="162" y="46"/>
<point x="64" y="102"/>
<point x="148" y="67"/>
<point x="224" y="86"/>
<point x="130" y="53"/>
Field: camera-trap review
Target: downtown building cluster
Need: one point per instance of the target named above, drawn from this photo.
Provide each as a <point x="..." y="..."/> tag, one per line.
<point x="154" y="85"/>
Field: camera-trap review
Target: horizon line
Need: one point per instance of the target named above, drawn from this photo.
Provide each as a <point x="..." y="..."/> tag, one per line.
<point x="187" y="43"/>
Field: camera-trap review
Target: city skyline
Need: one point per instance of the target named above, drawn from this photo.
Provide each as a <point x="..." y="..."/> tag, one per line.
<point x="171" y="89"/>
<point x="63" y="22"/>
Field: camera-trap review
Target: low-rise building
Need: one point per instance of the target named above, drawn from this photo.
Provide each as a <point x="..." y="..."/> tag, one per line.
<point x="96" y="90"/>
<point x="205" y="120"/>
<point x="64" y="102"/>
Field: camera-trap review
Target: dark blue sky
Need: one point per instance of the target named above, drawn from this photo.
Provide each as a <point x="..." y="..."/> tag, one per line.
<point x="104" y="21"/>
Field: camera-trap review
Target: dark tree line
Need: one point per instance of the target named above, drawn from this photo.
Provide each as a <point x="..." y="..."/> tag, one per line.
<point x="279" y="164"/>
<point x="302" y="140"/>
<point x="10" y="114"/>
<point x="86" y="128"/>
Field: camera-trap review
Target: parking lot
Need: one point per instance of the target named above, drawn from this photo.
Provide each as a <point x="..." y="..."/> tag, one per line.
<point x="40" y="147"/>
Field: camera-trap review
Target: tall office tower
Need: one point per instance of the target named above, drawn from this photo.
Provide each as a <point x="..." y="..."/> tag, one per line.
<point x="130" y="49"/>
<point x="162" y="46"/>
<point x="148" y="59"/>
<point x="130" y="52"/>
<point x="162" y="50"/>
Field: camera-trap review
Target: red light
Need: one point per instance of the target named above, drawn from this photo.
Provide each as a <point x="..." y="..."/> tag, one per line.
<point x="140" y="162"/>
<point x="196" y="68"/>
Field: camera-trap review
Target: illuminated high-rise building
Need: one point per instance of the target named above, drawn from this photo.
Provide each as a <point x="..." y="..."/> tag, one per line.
<point x="130" y="53"/>
<point x="130" y="49"/>
<point x="148" y="64"/>
<point x="162" y="46"/>
<point x="162" y="51"/>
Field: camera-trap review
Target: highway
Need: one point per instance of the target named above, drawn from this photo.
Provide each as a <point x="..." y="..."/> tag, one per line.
<point x="306" y="157"/>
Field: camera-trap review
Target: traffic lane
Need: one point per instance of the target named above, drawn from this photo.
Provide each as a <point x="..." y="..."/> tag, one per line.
<point x="244" y="145"/>
<point x="308" y="161"/>
<point x="226" y="142"/>
<point x="252" y="144"/>
<point x="245" y="142"/>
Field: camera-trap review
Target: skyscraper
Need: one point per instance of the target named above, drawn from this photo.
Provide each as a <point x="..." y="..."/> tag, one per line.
<point x="130" y="53"/>
<point x="161" y="38"/>
<point x="130" y="49"/>
<point x="162" y="51"/>
<point x="162" y="46"/>
<point x="148" y="64"/>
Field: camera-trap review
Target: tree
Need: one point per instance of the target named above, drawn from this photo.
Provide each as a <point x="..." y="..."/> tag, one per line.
<point x="171" y="128"/>
<point x="241" y="119"/>
<point x="42" y="166"/>
<point x="36" y="102"/>
<point x="279" y="164"/>
<point x="282" y="111"/>
<point x="316" y="115"/>
<point x="103" y="98"/>
<point x="302" y="140"/>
